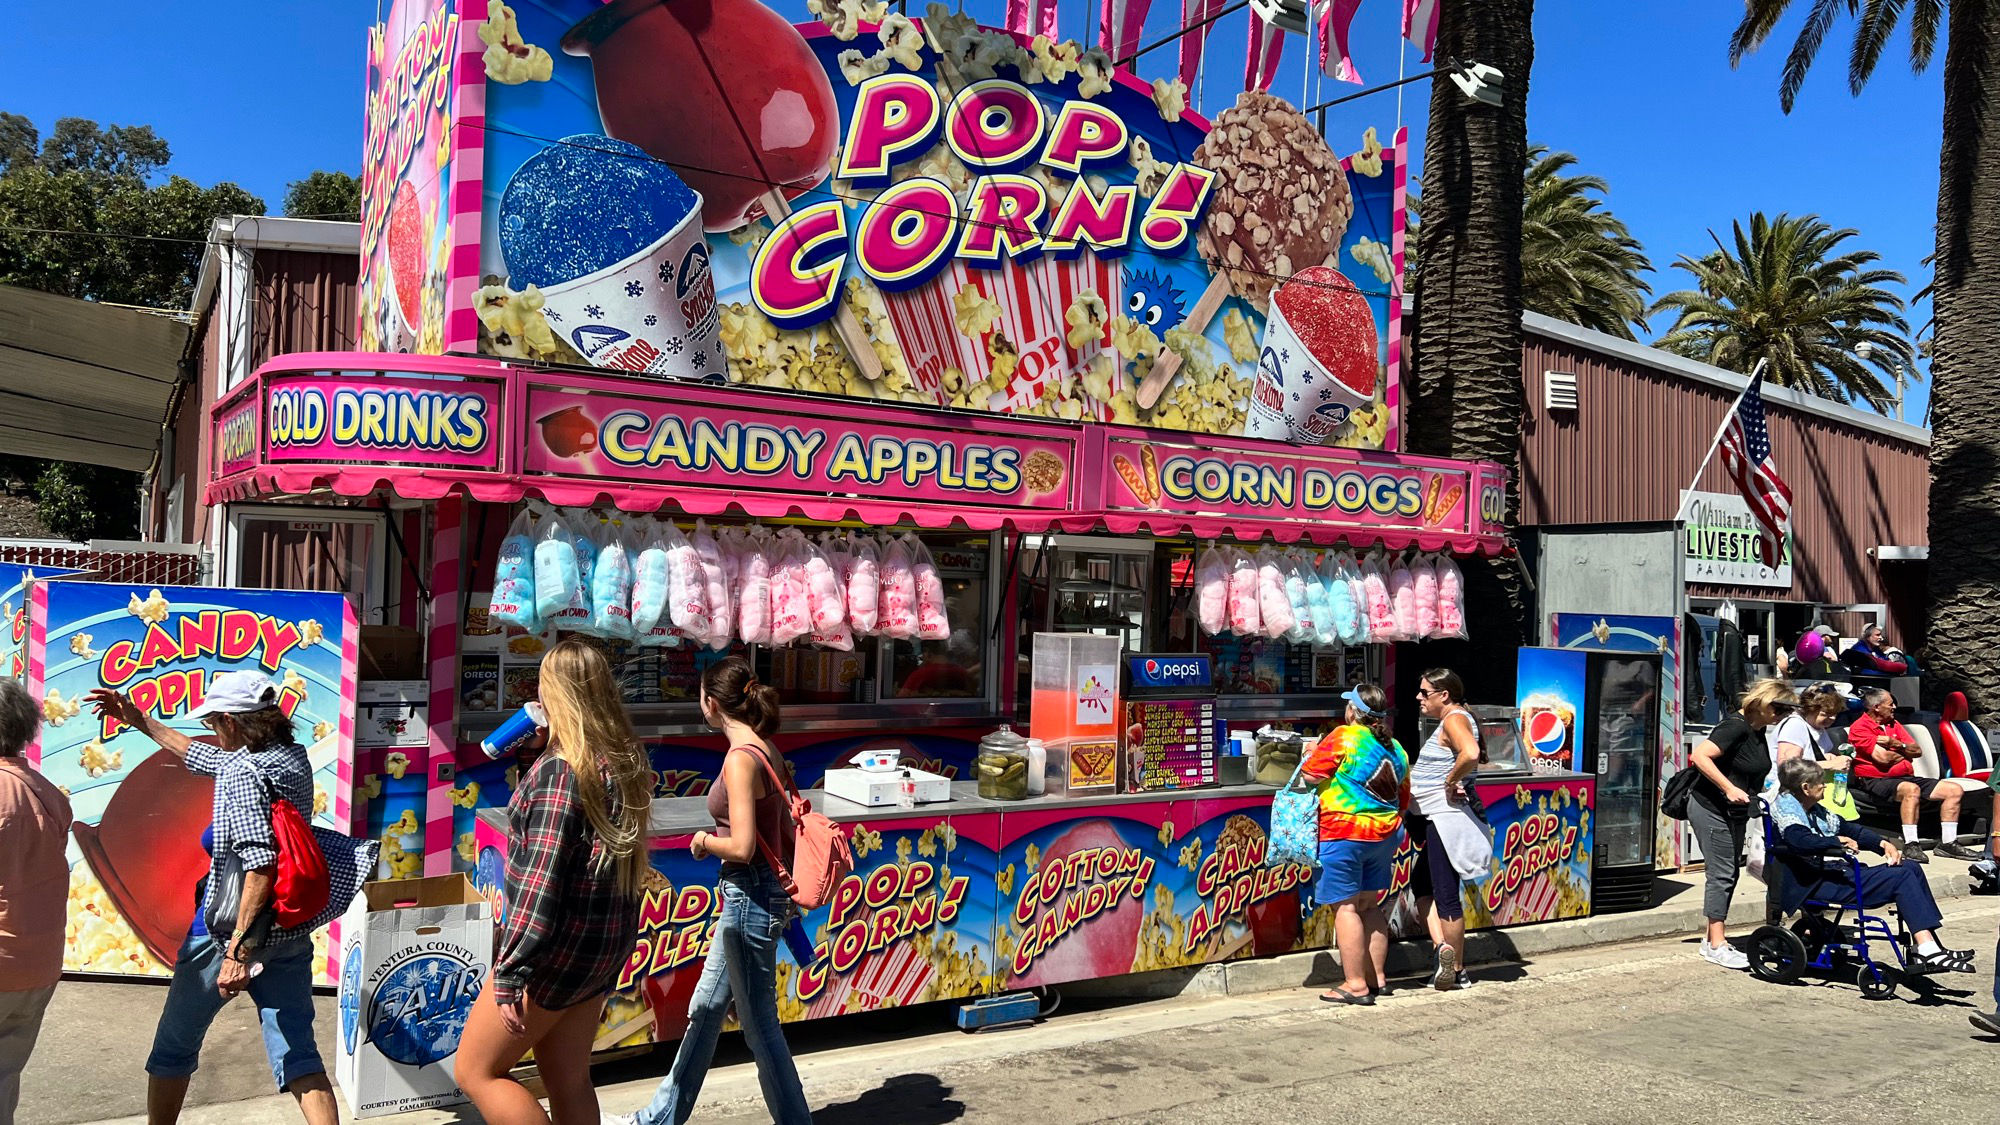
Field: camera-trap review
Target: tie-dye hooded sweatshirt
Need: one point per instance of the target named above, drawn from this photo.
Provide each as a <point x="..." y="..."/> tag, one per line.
<point x="1366" y="784"/>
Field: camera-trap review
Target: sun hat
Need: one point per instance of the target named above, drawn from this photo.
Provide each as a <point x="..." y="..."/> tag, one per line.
<point x="237" y="693"/>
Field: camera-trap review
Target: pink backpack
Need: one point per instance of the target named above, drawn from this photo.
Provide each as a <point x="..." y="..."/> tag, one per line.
<point x="820" y="858"/>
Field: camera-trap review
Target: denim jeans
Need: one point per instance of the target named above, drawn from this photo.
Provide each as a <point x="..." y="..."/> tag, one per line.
<point x="284" y="999"/>
<point x="742" y="967"/>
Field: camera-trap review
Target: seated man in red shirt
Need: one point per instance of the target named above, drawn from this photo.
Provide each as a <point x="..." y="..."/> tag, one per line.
<point x="1883" y="757"/>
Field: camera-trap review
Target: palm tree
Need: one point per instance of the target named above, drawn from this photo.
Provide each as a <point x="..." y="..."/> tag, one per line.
<point x="1578" y="262"/>
<point x="1786" y="294"/>
<point x="1466" y="396"/>
<point x="1964" y="576"/>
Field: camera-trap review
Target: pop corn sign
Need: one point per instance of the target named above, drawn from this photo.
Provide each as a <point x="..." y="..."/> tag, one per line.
<point x="915" y="226"/>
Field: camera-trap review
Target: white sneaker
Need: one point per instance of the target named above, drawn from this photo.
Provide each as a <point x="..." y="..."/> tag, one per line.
<point x="1725" y="955"/>
<point x="605" y="1118"/>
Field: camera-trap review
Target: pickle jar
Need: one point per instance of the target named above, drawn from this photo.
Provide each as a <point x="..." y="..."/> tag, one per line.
<point x="1278" y="753"/>
<point x="1003" y="766"/>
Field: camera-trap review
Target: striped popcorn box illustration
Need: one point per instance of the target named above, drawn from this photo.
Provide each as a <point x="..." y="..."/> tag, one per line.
<point x="1033" y="300"/>
<point x="888" y="978"/>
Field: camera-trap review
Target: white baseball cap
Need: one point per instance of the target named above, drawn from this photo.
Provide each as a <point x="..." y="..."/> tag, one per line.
<point x="237" y="693"/>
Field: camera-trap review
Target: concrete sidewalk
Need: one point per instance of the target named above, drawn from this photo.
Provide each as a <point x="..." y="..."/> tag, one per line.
<point x="89" y="1064"/>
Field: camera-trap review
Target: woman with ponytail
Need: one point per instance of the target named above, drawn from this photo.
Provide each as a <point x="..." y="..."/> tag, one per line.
<point x="1364" y="780"/>
<point x="576" y="863"/>
<point x="751" y="821"/>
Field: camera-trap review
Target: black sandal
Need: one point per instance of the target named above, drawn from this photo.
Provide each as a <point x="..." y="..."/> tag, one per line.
<point x="1340" y="995"/>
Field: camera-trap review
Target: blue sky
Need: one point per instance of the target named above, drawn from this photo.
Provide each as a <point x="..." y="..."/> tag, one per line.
<point x="263" y="93"/>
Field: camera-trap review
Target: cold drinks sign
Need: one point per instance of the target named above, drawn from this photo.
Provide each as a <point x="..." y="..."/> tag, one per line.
<point x="1719" y="544"/>
<point x="923" y="211"/>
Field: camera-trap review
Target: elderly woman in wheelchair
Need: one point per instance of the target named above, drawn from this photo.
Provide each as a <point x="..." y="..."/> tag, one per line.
<point x="1816" y="853"/>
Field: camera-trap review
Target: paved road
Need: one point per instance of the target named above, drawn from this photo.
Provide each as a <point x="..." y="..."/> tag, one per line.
<point x="1635" y="1033"/>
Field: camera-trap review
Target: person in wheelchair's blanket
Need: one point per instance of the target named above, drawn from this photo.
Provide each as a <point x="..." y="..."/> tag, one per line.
<point x="1816" y="848"/>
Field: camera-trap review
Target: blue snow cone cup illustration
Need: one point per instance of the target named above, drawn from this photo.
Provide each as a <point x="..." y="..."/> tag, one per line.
<point x="613" y="238"/>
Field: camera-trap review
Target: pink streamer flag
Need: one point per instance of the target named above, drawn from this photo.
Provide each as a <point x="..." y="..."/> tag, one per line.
<point x="1032" y="17"/>
<point x="1196" y="17"/>
<point x="1267" y="42"/>
<point x="1119" y="25"/>
<point x="1420" y="24"/>
<point x="1335" y="18"/>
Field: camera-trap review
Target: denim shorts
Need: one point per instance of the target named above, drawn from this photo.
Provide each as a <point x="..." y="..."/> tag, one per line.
<point x="1352" y="867"/>
<point x="284" y="999"/>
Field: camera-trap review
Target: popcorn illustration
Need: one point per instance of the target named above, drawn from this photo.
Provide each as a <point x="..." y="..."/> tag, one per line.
<point x="845" y="17"/>
<point x="1086" y="317"/>
<point x="152" y="611"/>
<point x="1236" y="334"/>
<point x="1094" y="72"/>
<point x="1368" y="161"/>
<point x="397" y="764"/>
<point x="1374" y="255"/>
<point x="1050" y="61"/>
<point x="97" y="761"/>
<point x="320" y="801"/>
<point x="901" y="41"/>
<point x="515" y="321"/>
<point x="1170" y="98"/>
<point x="322" y="729"/>
<point x="405" y="825"/>
<point x="58" y="710"/>
<point x="371" y="785"/>
<point x="1149" y="174"/>
<point x="294" y="683"/>
<point x="311" y="632"/>
<point x="973" y="312"/>
<point x="858" y="68"/>
<point x="467" y="849"/>
<point x="510" y="59"/>
<point x="80" y="645"/>
<point x="467" y="796"/>
<point x="402" y="864"/>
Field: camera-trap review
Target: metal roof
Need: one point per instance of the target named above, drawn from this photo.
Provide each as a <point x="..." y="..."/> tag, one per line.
<point x="82" y="381"/>
<point x="1605" y="343"/>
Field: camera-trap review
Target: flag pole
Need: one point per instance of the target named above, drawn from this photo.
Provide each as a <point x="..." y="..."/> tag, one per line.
<point x="1714" y="443"/>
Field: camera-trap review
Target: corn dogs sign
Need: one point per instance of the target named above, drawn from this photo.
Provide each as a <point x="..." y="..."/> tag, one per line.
<point x="1359" y="489"/>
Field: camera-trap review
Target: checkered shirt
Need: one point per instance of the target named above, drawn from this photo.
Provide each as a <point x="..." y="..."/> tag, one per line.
<point x="244" y="785"/>
<point x="568" y="930"/>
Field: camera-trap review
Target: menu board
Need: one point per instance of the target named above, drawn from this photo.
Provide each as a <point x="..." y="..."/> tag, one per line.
<point x="1170" y="743"/>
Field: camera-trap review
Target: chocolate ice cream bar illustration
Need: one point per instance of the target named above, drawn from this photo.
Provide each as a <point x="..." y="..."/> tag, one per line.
<point x="1281" y="204"/>
<point x="613" y="239"/>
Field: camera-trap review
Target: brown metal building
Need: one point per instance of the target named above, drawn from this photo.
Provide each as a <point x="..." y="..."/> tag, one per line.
<point x="1624" y="446"/>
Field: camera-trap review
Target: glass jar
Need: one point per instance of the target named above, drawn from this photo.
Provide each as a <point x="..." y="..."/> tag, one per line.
<point x="1002" y="764"/>
<point x="1278" y="753"/>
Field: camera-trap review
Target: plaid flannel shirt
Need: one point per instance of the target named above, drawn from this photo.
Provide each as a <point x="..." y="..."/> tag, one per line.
<point x="568" y="930"/>
<point x="244" y="785"/>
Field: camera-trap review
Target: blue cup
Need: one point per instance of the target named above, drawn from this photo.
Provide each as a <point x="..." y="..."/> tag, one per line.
<point x="517" y="732"/>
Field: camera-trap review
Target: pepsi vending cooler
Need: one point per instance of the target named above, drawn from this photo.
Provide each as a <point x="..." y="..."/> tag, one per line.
<point x="1598" y="713"/>
<point x="1170" y="736"/>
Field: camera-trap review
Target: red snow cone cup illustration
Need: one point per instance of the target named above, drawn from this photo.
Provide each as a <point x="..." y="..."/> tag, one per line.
<point x="671" y="78"/>
<point x="1319" y="359"/>
<point x="1033" y="300"/>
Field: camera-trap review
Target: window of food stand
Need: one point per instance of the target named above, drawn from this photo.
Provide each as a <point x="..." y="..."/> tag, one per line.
<point x="880" y="678"/>
<point x="1142" y="591"/>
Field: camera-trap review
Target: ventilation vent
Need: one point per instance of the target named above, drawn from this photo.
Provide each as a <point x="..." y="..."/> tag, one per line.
<point x="1559" y="390"/>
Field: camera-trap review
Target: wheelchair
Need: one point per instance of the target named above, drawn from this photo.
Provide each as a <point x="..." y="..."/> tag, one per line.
<point x="1829" y="938"/>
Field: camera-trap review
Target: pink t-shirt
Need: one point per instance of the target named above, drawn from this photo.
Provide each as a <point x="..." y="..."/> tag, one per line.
<point x="34" y="877"/>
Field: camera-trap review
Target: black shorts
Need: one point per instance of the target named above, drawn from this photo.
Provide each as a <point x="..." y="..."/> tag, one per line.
<point x="1883" y="789"/>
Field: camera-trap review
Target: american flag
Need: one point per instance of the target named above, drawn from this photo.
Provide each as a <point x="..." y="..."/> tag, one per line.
<point x="1746" y="457"/>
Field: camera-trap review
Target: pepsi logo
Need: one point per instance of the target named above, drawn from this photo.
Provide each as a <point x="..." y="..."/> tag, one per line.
<point x="1547" y="734"/>
<point x="1152" y="667"/>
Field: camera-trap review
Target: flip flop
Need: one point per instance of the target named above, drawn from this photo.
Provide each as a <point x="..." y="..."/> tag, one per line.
<point x="1340" y="995"/>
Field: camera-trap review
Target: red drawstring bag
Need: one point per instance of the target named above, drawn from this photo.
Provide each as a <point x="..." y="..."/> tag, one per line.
<point x="303" y="885"/>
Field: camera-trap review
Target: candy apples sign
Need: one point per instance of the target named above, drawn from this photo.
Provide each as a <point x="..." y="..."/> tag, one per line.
<point x="924" y="211"/>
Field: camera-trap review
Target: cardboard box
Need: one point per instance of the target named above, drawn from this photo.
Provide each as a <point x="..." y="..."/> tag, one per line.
<point x="414" y="954"/>
<point x="392" y="714"/>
